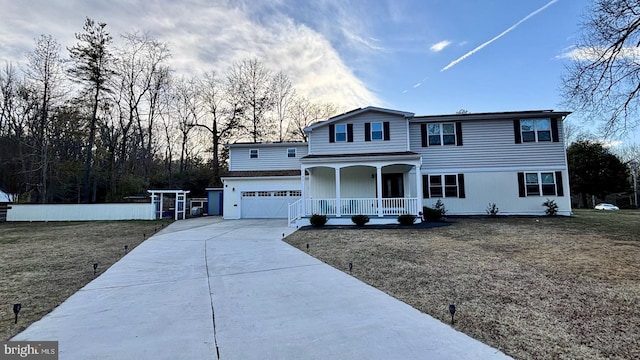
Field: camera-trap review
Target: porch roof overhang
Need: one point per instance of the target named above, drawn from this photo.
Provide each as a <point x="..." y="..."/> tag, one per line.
<point x="361" y="157"/>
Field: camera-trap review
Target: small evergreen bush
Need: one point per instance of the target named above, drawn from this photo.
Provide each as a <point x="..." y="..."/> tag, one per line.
<point x="406" y="219"/>
<point x="431" y="214"/>
<point x="317" y="220"/>
<point x="436" y="213"/>
<point x="551" y="207"/>
<point x="360" y="220"/>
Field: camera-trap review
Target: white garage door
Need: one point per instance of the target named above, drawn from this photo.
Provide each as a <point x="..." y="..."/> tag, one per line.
<point x="267" y="204"/>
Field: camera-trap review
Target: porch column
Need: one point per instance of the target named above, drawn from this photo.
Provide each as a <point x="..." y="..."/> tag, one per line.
<point x="303" y="193"/>
<point x="338" y="212"/>
<point x="379" y="185"/>
<point x="419" y="194"/>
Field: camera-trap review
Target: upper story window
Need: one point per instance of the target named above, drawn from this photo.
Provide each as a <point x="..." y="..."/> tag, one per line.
<point x="291" y="152"/>
<point x="540" y="184"/>
<point x="536" y="130"/>
<point x="253" y="153"/>
<point x="441" y="134"/>
<point x="341" y="132"/>
<point x="437" y="134"/>
<point x="376" y="131"/>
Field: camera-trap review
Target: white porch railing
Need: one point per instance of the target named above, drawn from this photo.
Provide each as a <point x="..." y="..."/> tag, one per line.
<point x="348" y="207"/>
<point x="295" y="211"/>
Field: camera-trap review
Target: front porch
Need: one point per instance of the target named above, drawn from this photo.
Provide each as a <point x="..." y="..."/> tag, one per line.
<point x="379" y="186"/>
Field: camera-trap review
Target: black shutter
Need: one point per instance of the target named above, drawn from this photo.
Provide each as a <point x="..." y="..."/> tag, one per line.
<point x="521" y="188"/>
<point x="349" y="132"/>
<point x="458" y="133"/>
<point x="332" y="133"/>
<point x="516" y="131"/>
<point x="461" y="193"/>
<point x="423" y="134"/>
<point x="554" y="130"/>
<point x="425" y="186"/>
<point x="559" y="187"/>
<point x="385" y="126"/>
<point x="367" y="131"/>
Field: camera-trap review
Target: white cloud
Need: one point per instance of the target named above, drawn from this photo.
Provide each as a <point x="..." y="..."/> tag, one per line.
<point x="202" y="36"/>
<point x="594" y="53"/>
<point x="611" y="143"/>
<point x="439" y="46"/>
<point x="532" y="14"/>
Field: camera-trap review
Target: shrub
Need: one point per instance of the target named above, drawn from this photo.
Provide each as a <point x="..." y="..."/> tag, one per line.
<point x="318" y="220"/>
<point x="431" y="214"/>
<point x="551" y="207"/>
<point x="436" y="213"/>
<point x="440" y="207"/>
<point x="492" y="209"/>
<point x="360" y="220"/>
<point x="406" y="219"/>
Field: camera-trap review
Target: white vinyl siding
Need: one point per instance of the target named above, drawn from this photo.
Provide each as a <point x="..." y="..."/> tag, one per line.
<point x="501" y="188"/>
<point x="355" y="182"/>
<point x="488" y="144"/>
<point x="271" y="157"/>
<point x="319" y="138"/>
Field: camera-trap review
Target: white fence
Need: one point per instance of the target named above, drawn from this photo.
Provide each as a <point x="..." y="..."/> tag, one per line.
<point x="80" y="212"/>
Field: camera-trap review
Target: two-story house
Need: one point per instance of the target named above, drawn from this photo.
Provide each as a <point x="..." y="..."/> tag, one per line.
<point x="383" y="163"/>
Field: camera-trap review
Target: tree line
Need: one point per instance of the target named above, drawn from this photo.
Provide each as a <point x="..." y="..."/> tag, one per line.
<point x="112" y="121"/>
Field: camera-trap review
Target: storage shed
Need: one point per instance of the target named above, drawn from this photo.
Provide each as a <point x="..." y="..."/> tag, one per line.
<point x="214" y="196"/>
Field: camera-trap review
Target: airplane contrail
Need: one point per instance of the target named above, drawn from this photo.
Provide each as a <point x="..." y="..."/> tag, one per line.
<point x="453" y="63"/>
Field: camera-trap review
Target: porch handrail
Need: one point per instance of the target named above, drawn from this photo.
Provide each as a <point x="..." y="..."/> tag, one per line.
<point x="295" y="211"/>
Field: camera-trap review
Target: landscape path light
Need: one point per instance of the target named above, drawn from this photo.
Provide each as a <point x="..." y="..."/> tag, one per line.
<point x="16" y="310"/>
<point x="634" y="172"/>
<point x="452" y="311"/>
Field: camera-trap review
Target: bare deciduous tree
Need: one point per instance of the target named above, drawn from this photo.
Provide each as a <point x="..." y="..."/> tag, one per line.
<point x="45" y="69"/>
<point x="141" y="73"/>
<point x="223" y="112"/>
<point x="603" y="79"/>
<point x="252" y="83"/>
<point x="283" y="94"/>
<point x="303" y="113"/>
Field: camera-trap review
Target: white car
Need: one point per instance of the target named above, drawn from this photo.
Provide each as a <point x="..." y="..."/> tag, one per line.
<point x="605" y="206"/>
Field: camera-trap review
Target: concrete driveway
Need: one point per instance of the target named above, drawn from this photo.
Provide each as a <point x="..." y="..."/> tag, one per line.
<point x="211" y="289"/>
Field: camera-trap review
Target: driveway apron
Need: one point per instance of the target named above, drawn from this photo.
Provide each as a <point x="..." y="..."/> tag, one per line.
<point x="211" y="289"/>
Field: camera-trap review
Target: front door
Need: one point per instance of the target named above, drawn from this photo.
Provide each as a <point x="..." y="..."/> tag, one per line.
<point x="392" y="185"/>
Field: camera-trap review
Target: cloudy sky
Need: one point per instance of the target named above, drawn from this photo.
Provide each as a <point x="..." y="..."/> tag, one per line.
<point x="422" y="56"/>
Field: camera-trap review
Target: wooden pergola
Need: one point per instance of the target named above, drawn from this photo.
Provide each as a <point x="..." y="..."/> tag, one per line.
<point x="157" y="198"/>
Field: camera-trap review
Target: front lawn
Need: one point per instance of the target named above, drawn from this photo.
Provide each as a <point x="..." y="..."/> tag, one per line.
<point x="43" y="263"/>
<point x="533" y="287"/>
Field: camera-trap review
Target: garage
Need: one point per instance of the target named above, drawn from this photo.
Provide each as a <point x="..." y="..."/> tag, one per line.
<point x="267" y="204"/>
